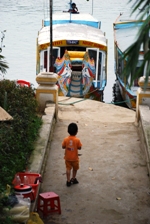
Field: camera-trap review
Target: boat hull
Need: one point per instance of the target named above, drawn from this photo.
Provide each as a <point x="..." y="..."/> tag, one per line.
<point x="127" y="95"/>
<point x="124" y="35"/>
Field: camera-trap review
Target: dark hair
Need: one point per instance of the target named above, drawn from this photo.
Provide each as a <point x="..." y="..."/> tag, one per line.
<point x="72" y="129"/>
<point x="73" y="4"/>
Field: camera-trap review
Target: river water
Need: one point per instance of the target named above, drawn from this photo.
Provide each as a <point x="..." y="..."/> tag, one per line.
<point x="23" y="18"/>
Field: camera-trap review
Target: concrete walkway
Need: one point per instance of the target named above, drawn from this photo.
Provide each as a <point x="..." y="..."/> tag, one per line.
<point x="113" y="182"/>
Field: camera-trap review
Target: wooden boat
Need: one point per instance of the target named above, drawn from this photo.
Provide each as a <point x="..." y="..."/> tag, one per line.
<point x="79" y="51"/>
<point x="125" y="32"/>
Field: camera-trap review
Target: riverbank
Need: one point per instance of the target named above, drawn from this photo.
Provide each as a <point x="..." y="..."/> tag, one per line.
<point x="113" y="180"/>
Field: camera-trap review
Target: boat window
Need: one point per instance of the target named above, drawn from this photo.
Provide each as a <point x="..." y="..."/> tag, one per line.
<point x="99" y="65"/>
<point x="55" y="54"/>
<point x="97" y="56"/>
<point x="45" y="61"/>
<point x="93" y="55"/>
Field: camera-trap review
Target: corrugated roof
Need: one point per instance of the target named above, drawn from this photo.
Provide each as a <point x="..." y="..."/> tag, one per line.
<point x="4" y="116"/>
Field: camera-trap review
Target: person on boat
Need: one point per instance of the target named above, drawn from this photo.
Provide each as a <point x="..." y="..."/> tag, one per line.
<point x="73" y="8"/>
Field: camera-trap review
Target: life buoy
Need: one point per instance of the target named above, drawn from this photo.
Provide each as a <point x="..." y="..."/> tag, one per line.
<point x="23" y="83"/>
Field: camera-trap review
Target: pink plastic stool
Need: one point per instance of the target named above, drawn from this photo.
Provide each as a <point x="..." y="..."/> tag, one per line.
<point x="48" y="202"/>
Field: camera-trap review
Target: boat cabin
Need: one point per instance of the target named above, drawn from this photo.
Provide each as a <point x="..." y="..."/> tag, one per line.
<point x="76" y="58"/>
<point x="76" y="34"/>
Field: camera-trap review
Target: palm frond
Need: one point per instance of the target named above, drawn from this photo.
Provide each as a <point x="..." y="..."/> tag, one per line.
<point x="3" y="64"/>
<point x="140" y="5"/>
<point x="131" y="55"/>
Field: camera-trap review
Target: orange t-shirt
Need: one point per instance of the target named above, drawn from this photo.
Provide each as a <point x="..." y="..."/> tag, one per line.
<point x="71" y="145"/>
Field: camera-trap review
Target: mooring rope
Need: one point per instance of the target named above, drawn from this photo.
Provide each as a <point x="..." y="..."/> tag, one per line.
<point x="115" y="103"/>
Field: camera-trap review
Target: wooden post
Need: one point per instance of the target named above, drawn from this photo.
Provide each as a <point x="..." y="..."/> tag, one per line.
<point x="51" y="35"/>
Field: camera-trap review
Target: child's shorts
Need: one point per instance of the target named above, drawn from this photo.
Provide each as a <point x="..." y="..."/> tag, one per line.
<point x="72" y="164"/>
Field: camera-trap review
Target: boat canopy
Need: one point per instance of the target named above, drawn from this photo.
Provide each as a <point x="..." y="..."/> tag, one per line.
<point x="73" y="32"/>
<point x="66" y="17"/>
<point x="126" y="33"/>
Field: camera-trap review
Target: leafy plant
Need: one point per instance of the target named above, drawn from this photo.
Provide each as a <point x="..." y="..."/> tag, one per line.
<point x="3" y="64"/>
<point x="132" y="52"/>
<point x="17" y="136"/>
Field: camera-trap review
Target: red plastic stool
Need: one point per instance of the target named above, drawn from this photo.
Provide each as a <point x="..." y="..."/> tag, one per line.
<point x="48" y="202"/>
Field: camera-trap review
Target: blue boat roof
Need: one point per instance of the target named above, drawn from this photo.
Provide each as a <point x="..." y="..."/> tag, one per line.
<point x="127" y="24"/>
<point x="77" y="18"/>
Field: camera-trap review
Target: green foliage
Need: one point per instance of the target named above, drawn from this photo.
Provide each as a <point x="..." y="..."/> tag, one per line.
<point x="142" y="7"/>
<point x="17" y="136"/>
<point x="132" y="54"/>
<point x="3" y="64"/>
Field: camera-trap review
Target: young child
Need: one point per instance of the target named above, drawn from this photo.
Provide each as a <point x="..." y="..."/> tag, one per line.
<point x="71" y="144"/>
